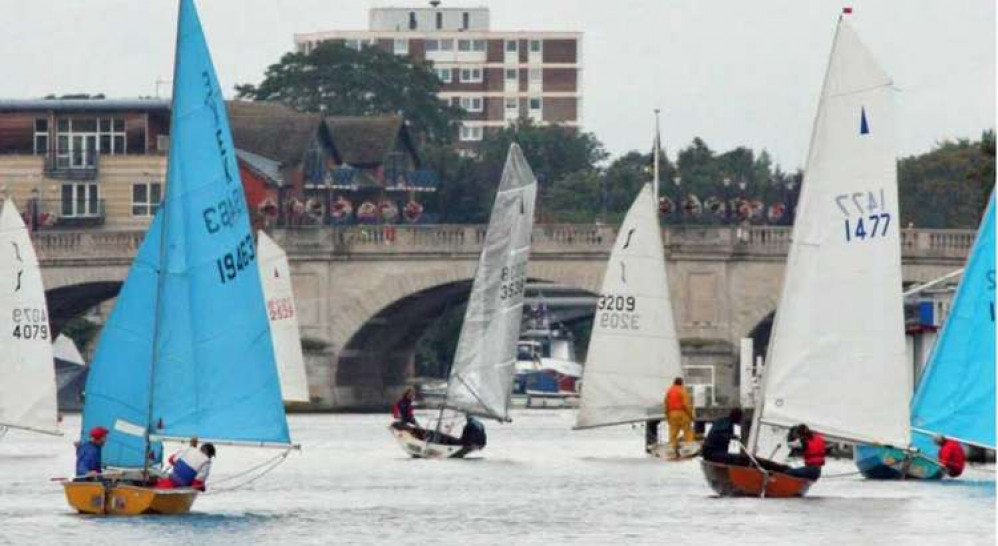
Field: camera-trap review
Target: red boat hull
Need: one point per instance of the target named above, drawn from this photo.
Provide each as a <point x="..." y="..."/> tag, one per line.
<point x="749" y="481"/>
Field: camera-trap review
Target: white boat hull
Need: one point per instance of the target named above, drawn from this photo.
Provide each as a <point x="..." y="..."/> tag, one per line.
<point x="415" y="443"/>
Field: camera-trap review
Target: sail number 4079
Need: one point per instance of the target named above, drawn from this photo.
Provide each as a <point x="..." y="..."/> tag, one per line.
<point x="30" y="323"/>
<point x="866" y="215"/>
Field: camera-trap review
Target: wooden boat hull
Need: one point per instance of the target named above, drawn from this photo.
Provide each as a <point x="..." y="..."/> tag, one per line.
<point x="885" y="463"/>
<point x="415" y="443"/>
<point x="120" y="499"/>
<point x="748" y="481"/>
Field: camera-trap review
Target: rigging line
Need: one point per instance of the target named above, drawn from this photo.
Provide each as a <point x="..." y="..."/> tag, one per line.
<point x="268" y="466"/>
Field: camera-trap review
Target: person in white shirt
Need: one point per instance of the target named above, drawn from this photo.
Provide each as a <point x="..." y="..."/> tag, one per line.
<point x="191" y="466"/>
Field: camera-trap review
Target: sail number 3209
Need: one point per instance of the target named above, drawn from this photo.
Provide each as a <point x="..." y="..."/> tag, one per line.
<point x="617" y="312"/>
<point x="233" y="263"/>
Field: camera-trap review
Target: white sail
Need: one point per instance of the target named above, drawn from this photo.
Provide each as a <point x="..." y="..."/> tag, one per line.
<point x="27" y="391"/>
<point x="481" y="378"/>
<point x="837" y="357"/>
<point x="275" y="276"/>
<point x="633" y="353"/>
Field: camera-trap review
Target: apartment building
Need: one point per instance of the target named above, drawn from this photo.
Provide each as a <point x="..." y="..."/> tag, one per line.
<point x="497" y="77"/>
<point x="84" y="162"/>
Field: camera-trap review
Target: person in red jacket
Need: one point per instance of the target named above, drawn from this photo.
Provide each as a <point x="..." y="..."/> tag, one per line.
<point x="812" y="445"/>
<point x="951" y="456"/>
<point x="402" y="411"/>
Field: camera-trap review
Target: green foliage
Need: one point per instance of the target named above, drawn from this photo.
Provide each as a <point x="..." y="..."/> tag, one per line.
<point x="949" y="186"/>
<point x="337" y="80"/>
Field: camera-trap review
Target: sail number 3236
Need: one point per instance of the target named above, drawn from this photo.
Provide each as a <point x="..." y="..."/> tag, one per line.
<point x="865" y="213"/>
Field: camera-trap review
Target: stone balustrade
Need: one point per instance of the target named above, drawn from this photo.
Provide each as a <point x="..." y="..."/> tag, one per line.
<point x="548" y="239"/>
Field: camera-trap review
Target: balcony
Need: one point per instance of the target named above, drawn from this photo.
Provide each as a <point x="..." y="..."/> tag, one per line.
<point x="59" y="213"/>
<point x="73" y="165"/>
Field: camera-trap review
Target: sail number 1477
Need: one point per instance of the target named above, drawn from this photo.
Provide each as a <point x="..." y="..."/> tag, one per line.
<point x="866" y="215"/>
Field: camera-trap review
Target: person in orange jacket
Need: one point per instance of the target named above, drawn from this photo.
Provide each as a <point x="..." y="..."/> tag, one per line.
<point x="679" y="414"/>
<point x="951" y="456"/>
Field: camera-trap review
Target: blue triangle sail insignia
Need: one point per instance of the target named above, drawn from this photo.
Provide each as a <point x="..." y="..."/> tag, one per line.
<point x="864" y="126"/>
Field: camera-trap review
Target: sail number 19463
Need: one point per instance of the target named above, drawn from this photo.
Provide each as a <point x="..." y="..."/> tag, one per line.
<point x="233" y="263"/>
<point x="866" y="215"/>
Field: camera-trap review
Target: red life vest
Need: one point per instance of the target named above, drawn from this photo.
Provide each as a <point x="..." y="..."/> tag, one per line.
<point x="396" y="411"/>
<point x="952" y="457"/>
<point x="814" y="450"/>
<point x="674" y="398"/>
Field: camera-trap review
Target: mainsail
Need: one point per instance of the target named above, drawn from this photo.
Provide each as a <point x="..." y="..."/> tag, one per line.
<point x="956" y="395"/>
<point x="481" y="378"/>
<point x="187" y="351"/>
<point x="837" y="357"/>
<point x="275" y="274"/>
<point x="633" y="352"/>
<point x="27" y="391"/>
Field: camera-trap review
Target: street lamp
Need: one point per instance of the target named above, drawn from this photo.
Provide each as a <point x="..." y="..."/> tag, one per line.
<point x="679" y="196"/>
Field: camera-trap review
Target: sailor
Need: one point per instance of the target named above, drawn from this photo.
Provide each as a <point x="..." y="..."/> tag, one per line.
<point x="679" y="413"/>
<point x="190" y="467"/>
<point x="812" y="444"/>
<point x="473" y="433"/>
<point x="722" y="432"/>
<point x="88" y="459"/>
<point x="951" y="456"/>
<point x="403" y="409"/>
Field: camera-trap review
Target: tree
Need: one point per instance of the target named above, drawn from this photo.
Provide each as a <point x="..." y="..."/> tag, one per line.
<point x="337" y="80"/>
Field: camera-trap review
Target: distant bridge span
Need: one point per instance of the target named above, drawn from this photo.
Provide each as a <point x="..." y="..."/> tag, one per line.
<point x="366" y="294"/>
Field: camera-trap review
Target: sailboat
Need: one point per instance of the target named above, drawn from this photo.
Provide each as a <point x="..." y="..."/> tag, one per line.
<point x="837" y="356"/>
<point x="633" y="353"/>
<point x="481" y="377"/>
<point x="28" y="388"/>
<point x="187" y="350"/>
<point x="956" y="394"/>
<point x="275" y="274"/>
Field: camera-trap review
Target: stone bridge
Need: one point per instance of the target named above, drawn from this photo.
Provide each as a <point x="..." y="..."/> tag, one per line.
<point x="365" y="295"/>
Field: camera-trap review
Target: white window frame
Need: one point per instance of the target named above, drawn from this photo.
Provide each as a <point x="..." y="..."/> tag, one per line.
<point x="435" y="47"/>
<point x="471" y="133"/>
<point x="473" y="104"/>
<point x="471" y="75"/>
<point x="514" y="71"/>
<point x="146" y="208"/>
<point x="464" y="45"/>
<point x="87" y="207"/>
<point x="447" y="44"/>
<point x="400" y="46"/>
<point x="445" y="75"/>
<point x="516" y="46"/>
<point x="478" y="45"/>
<point x="37" y="133"/>
<point x="539" y="44"/>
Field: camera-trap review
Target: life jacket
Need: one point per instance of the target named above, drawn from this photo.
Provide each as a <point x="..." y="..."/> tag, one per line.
<point x="952" y="457"/>
<point x="675" y="398"/>
<point x="814" y="450"/>
<point x="396" y="410"/>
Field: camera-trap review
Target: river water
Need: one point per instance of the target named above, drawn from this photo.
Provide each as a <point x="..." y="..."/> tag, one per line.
<point x="536" y="483"/>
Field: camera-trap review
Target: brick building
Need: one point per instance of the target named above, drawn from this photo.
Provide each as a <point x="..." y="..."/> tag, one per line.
<point x="496" y="76"/>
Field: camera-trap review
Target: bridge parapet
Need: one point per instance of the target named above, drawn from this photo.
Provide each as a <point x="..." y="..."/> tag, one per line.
<point x="548" y="239"/>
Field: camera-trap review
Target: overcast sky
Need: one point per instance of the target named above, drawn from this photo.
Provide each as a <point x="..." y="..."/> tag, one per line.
<point x="734" y="72"/>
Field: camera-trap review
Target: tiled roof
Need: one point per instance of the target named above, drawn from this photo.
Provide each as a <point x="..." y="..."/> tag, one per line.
<point x="265" y="167"/>
<point x="272" y="130"/>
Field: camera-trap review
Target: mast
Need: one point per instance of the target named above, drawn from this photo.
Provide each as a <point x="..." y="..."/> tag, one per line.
<point x="161" y="270"/>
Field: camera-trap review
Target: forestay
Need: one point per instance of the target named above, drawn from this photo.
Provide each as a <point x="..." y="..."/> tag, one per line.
<point x="27" y="390"/>
<point x="481" y="378"/>
<point x="633" y="351"/>
<point x="275" y="274"/>
<point x="837" y="357"/>
<point x="956" y="395"/>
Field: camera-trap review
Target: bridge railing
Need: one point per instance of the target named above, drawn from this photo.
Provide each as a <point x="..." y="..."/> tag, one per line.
<point x="468" y="239"/>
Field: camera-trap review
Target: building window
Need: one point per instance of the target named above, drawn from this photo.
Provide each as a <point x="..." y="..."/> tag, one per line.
<point x="447" y="45"/>
<point x="401" y="46"/>
<point x="535" y="46"/>
<point x="471" y="134"/>
<point x="440" y="20"/>
<point x="511" y="46"/>
<point x="464" y="45"/>
<point x="464" y="20"/>
<point x="535" y="74"/>
<point x="80" y="200"/>
<point x="79" y="140"/>
<point x="432" y="45"/>
<point x="478" y="45"/>
<point x="41" y="136"/>
<point x="511" y="74"/>
<point x="471" y="75"/>
<point x="471" y="104"/>
<point x="511" y="104"/>
<point x="146" y="197"/>
<point x="444" y="75"/>
<point x="535" y="104"/>
<point x="412" y="20"/>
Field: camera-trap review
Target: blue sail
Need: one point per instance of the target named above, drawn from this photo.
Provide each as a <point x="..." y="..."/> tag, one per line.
<point x="956" y="395"/>
<point x="117" y="390"/>
<point x="214" y="373"/>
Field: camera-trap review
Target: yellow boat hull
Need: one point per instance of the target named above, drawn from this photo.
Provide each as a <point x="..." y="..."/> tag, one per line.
<point x="127" y="500"/>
